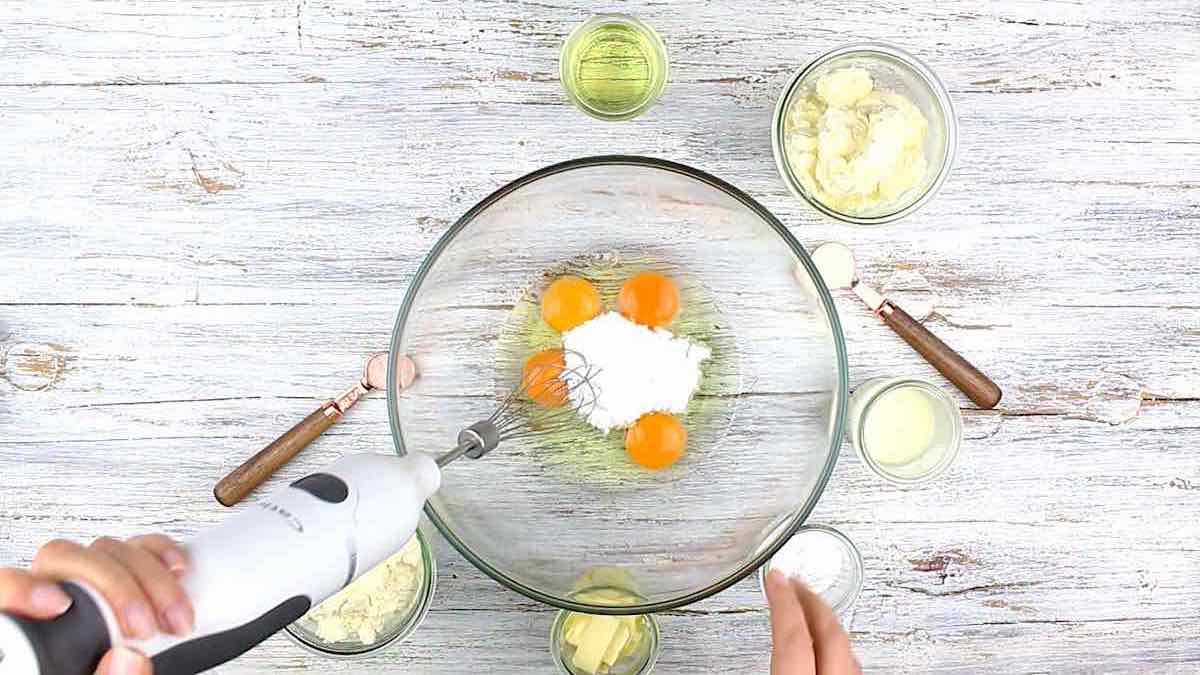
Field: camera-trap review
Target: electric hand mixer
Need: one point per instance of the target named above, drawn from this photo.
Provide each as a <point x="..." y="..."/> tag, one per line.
<point x="265" y="567"/>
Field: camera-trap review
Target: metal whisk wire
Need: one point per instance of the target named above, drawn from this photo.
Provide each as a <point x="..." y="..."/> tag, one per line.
<point x="518" y="416"/>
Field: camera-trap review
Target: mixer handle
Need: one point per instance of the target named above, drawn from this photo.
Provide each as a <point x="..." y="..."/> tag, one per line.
<point x="74" y="642"/>
<point x="71" y="643"/>
<point x="251" y="575"/>
<point x="204" y="652"/>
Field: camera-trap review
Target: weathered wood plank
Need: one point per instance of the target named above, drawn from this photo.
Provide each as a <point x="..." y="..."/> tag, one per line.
<point x="100" y="363"/>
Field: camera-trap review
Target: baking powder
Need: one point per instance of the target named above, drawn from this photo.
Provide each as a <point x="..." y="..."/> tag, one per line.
<point x="813" y="557"/>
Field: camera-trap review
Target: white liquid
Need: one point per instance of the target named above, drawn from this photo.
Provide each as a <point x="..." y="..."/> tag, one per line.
<point x="906" y="431"/>
<point x="899" y="428"/>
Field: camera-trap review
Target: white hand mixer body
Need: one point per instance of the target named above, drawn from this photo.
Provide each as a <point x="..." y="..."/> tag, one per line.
<point x="251" y="575"/>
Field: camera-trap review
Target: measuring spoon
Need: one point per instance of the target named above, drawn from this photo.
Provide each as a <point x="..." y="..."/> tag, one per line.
<point x="241" y="481"/>
<point x="835" y="262"/>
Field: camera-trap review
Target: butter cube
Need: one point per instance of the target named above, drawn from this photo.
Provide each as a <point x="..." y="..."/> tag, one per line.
<point x="617" y="645"/>
<point x="635" y="636"/>
<point x="573" y="628"/>
<point x="598" y="634"/>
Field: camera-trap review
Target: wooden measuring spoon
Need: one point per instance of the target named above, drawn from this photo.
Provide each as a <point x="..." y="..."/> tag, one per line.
<point x="241" y="481"/>
<point x="835" y="262"/>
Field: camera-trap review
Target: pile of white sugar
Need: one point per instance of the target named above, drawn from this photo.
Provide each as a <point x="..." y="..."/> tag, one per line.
<point x="634" y="369"/>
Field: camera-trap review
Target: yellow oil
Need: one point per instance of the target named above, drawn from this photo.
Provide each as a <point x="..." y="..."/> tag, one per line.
<point x="614" y="67"/>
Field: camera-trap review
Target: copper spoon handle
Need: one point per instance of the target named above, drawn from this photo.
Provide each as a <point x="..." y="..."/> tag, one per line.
<point x="240" y="482"/>
<point x="977" y="386"/>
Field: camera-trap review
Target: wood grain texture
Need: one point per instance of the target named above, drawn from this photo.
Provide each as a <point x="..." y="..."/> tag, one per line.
<point x="209" y="212"/>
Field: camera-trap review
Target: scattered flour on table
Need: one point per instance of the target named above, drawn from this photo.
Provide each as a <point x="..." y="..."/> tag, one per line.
<point x="635" y="369"/>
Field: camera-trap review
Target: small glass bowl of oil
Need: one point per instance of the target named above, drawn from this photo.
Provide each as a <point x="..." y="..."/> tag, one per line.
<point x="613" y="67"/>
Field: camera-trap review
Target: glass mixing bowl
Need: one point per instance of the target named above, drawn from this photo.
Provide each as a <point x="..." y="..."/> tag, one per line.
<point x="552" y="516"/>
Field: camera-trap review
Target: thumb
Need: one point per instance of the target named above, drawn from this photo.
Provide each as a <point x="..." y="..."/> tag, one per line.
<point x="124" y="661"/>
<point x="23" y="594"/>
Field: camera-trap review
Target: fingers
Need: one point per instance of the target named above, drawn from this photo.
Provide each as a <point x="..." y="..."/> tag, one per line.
<point x="171" y="553"/>
<point x="161" y="586"/>
<point x="831" y="644"/>
<point x="792" y="645"/>
<point x="124" y="661"/>
<point x="26" y="595"/>
<point x="139" y="578"/>
<point x="787" y="614"/>
<point x="61" y="559"/>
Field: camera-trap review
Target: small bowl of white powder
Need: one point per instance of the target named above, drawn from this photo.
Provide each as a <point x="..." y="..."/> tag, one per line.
<point x="865" y="133"/>
<point x="381" y="607"/>
<point x="825" y="560"/>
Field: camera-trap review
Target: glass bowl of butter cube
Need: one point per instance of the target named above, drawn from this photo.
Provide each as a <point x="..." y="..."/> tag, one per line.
<point x="381" y="607"/>
<point x="865" y="133"/>
<point x="593" y="644"/>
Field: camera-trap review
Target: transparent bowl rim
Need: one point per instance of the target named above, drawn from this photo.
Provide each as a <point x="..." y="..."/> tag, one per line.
<point x="793" y="522"/>
<point x="918" y="67"/>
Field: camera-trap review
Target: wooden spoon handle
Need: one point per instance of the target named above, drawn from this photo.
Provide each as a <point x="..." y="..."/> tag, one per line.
<point x="977" y="386"/>
<point x="242" y="480"/>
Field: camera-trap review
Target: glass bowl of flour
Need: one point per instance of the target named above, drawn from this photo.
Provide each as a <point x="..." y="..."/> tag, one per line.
<point x="381" y="607"/>
<point x="865" y="133"/>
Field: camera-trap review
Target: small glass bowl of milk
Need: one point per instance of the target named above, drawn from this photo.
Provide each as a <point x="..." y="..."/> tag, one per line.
<point x="906" y="430"/>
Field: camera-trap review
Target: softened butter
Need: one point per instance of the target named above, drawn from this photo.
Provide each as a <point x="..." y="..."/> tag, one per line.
<point x="854" y="147"/>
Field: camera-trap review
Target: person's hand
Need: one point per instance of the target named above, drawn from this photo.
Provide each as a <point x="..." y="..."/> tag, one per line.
<point x="140" y="579"/>
<point x="806" y="636"/>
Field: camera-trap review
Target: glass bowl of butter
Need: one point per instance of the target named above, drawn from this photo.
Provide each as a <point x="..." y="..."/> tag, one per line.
<point x="865" y="133"/>
<point x="382" y="606"/>
<point x="592" y="644"/>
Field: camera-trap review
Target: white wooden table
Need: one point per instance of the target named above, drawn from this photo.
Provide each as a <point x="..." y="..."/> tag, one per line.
<point x="209" y="212"/>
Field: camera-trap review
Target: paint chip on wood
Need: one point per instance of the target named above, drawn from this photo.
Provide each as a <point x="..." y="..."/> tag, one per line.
<point x="1113" y="398"/>
<point x="910" y="290"/>
<point x="939" y="562"/>
<point x="213" y="179"/>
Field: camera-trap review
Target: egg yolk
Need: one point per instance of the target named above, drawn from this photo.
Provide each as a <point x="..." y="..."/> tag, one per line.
<point x="656" y="440"/>
<point x="540" y="378"/>
<point x="568" y="302"/>
<point x="649" y="299"/>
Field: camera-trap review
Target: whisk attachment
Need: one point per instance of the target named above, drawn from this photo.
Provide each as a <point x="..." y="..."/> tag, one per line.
<point x="481" y="437"/>
<point x="519" y="417"/>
